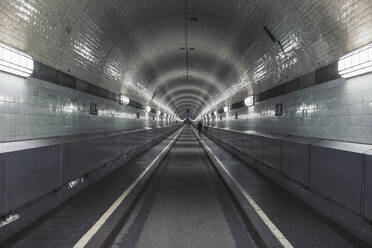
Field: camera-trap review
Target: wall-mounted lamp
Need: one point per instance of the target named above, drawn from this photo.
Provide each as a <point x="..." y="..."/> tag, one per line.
<point x="15" y="62"/>
<point x="249" y="101"/>
<point x="124" y="100"/>
<point x="215" y="112"/>
<point x="225" y="109"/>
<point x="148" y="108"/>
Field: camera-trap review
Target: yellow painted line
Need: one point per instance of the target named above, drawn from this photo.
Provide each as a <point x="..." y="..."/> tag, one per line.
<point x="275" y="231"/>
<point x="94" y="229"/>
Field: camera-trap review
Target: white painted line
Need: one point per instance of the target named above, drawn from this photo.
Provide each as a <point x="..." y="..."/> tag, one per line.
<point x="94" y="229"/>
<point x="276" y="232"/>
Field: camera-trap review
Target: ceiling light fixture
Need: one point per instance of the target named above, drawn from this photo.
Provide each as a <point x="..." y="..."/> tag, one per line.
<point x="124" y="100"/>
<point x="15" y="62"/>
<point x="356" y="63"/>
<point x="249" y="101"/>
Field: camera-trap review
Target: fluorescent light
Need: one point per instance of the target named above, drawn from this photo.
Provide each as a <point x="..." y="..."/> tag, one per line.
<point x="249" y="101"/>
<point x="15" y="62"/>
<point x="357" y="73"/>
<point x="225" y="109"/>
<point x="124" y="100"/>
<point x="9" y="219"/>
<point x="356" y="63"/>
<point x="148" y="108"/>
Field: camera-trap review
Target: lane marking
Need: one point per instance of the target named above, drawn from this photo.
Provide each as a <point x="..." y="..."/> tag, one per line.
<point x="276" y="232"/>
<point x="94" y="229"/>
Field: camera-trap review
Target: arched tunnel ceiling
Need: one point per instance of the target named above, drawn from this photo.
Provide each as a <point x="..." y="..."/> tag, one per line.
<point x="140" y="47"/>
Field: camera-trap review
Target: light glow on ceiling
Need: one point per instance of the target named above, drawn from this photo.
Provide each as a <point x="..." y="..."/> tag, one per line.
<point x="15" y="62"/>
<point x="356" y="63"/>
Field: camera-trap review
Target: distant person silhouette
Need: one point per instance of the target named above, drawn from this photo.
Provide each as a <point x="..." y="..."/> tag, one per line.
<point x="200" y="126"/>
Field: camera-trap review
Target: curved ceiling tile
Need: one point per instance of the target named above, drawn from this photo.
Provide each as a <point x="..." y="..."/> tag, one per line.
<point x="195" y="74"/>
<point x="190" y="101"/>
<point x="189" y="91"/>
<point x="203" y="98"/>
<point x="196" y="103"/>
<point x="192" y="107"/>
<point x="138" y="47"/>
<point x="190" y="104"/>
<point x="184" y="89"/>
<point x="191" y="97"/>
<point x="186" y="112"/>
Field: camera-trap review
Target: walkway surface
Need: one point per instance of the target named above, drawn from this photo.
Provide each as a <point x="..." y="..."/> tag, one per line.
<point x="185" y="205"/>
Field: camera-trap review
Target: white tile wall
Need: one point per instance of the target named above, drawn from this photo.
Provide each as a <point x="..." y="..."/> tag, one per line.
<point x="31" y="108"/>
<point x="340" y="110"/>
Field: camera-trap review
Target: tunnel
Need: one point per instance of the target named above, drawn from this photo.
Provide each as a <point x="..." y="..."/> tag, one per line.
<point x="185" y="123"/>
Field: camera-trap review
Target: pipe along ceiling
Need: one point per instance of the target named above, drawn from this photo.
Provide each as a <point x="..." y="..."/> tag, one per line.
<point x="185" y="54"/>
